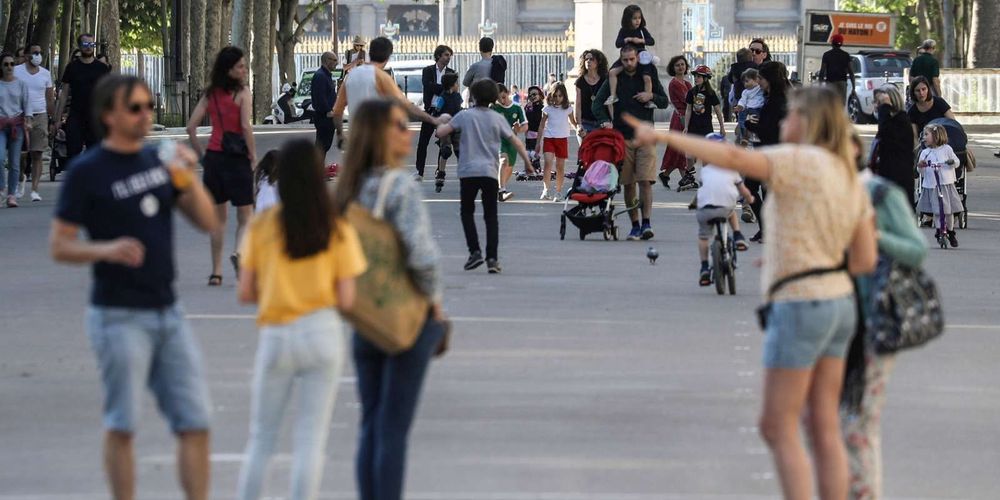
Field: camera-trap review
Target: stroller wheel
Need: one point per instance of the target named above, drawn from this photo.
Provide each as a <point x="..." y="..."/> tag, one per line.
<point x="562" y="228"/>
<point x="607" y="234"/>
<point x="614" y="233"/>
<point x="963" y="220"/>
<point x="583" y="235"/>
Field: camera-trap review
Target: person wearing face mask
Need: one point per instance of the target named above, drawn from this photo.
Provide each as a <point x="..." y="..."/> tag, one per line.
<point x="77" y="86"/>
<point x="13" y="122"/>
<point x="41" y="99"/>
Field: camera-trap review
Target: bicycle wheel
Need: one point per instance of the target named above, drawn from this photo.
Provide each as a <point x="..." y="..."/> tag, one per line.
<point x="718" y="273"/>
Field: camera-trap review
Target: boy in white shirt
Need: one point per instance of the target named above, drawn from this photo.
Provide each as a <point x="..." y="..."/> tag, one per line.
<point x="41" y="103"/>
<point x="750" y="102"/>
<point x="720" y="190"/>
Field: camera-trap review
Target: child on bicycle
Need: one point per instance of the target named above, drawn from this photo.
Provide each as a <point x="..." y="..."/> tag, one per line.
<point x="939" y="195"/>
<point x="720" y="190"/>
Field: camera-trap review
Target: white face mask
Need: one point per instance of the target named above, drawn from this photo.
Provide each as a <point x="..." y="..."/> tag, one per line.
<point x="36" y="59"/>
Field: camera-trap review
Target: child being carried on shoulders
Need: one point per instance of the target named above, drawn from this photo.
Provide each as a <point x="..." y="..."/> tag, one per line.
<point x="634" y="32"/>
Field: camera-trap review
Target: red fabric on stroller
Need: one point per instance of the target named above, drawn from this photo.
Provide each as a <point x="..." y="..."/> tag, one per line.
<point x="602" y="144"/>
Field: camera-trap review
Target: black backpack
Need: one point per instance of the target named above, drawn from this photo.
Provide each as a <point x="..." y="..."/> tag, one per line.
<point x="498" y="69"/>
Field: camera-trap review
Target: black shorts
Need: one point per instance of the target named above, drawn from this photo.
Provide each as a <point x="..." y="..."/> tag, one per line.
<point x="228" y="178"/>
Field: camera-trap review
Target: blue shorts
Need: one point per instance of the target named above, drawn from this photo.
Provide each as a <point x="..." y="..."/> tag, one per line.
<point x="801" y="332"/>
<point x="154" y="348"/>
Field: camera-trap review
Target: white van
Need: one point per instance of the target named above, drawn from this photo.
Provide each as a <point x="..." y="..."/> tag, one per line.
<point x="408" y="75"/>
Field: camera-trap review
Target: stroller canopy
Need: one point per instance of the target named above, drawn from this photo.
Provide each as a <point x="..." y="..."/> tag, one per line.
<point x="956" y="134"/>
<point x="602" y="144"/>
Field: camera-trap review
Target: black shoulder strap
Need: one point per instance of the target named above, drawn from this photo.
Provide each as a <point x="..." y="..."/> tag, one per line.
<point x="218" y="111"/>
<point x="880" y="192"/>
<point x="778" y="285"/>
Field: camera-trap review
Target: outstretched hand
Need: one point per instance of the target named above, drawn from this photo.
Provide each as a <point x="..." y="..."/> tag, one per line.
<point x="644" y="135"/>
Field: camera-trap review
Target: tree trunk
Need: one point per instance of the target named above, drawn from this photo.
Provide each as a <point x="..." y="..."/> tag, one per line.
<point x="949" y="48"/>
<point x="985" y="36"/>
<point x="213" y="16"/>
<point x="197" y="50"/>
<point x="185" y="28"/>
<point x="242" y="20"/>
<point x="4" y="15"/>
<point x="336" y="27"/>
<point x="226" y="22"/>
<point x="17" y="25"/>
<point x="261" y="58"/>
<point x="65" y="35"/>
<point x="44" y="23"/>
<point x="166" y="44"/>
<point x="110" y="33"/>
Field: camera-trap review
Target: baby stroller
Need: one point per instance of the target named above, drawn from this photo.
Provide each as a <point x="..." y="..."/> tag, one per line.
<point x="595" y="185"/>
<point x="958" y="141"/>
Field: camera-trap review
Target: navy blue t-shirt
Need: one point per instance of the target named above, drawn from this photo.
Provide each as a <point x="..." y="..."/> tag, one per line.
<point x="113" y="195"/>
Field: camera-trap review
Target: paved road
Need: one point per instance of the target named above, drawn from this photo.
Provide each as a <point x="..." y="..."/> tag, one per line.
<point x="581" y="373"/>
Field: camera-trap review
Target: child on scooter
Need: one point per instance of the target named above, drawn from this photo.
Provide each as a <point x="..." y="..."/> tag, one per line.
<point x="939" y="196"/>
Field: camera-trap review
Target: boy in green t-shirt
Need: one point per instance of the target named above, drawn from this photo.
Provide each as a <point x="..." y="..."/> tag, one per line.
<point x="508" y="154"/>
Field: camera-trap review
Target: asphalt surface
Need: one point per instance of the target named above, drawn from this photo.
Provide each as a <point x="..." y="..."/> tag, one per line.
<point x="580" y="373"/>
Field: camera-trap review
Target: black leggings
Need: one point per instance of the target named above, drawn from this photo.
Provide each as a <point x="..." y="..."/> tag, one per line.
<point x="470" y="187"/>
<point x="759" y="192"/>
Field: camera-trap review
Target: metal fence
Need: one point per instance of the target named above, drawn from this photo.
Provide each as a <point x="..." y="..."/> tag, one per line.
<point x="522" y="69"/>
<point x="972" y="90"/>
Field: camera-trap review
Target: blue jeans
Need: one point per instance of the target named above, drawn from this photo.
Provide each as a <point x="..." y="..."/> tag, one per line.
<point x="801" y="332"/>
<point x="306" y="355"/>
<point x="389" y="389"/>
<point x="10" y="150"/>
<point x="153" y="347"/>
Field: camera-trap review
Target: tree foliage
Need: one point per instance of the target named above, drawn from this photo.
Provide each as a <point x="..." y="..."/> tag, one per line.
<point x="141" y="22"/>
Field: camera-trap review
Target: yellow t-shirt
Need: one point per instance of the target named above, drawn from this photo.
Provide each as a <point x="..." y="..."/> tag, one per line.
<point x="288" y="289"/>
<point x="812" y="209"/>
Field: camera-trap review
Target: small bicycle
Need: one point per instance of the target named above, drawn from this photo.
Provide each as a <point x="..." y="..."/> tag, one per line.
<point x="723" y="255"/>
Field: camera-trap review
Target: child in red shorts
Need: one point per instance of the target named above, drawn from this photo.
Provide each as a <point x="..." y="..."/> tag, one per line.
<point x="557" y="120"/>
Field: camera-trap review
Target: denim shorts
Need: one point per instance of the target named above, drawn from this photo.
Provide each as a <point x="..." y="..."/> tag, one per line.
<point x="801" y="332"/>
<point x="154" y="348"/>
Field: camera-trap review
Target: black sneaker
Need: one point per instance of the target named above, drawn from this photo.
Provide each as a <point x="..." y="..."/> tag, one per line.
<point x="493" y="266"/>
<point x="664" y="179"/>
<point x="952" y="239"/>
<point x="475" y="260"/>
<point x="504" y="195"/>
<point x="758" y="238"/>
<point x="705" y="277"/>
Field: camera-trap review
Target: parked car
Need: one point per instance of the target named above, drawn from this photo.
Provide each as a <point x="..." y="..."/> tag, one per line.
<point x="408" y="76"/>
<point x="872" y="69"/>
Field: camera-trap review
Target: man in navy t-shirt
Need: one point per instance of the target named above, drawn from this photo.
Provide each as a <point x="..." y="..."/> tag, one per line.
<point x="123" y="195"/>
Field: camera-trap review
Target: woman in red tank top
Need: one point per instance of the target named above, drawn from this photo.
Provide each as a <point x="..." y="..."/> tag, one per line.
<point x="228" y="175"/>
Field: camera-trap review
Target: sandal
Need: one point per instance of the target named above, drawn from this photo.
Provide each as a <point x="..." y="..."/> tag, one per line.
<point x="235" y="259"/>
<point x="215" y="280"/>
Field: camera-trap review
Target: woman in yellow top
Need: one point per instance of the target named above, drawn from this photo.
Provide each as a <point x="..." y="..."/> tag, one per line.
<point x="819" y="211"/>
<point x="299" y="265"/>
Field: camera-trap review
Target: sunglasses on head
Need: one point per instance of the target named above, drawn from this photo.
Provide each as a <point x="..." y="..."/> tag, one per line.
<point x="137" y="107"/>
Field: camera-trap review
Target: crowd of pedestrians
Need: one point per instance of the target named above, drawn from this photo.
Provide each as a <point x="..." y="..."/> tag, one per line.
<point x="301" y="259"/>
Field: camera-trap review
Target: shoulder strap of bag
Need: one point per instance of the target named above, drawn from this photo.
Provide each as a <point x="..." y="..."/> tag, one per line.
<point x="218" y="111"/>
<point x="385" y="184"/>
<point x="778" y="285"/>
<point x="880" y="192"/>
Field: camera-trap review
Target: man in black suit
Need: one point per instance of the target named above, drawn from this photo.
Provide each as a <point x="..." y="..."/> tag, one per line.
<point x="431" y="79"/>
<point x="323" y="96"/>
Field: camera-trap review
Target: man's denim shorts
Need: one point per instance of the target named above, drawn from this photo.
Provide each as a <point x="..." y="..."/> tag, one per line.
<point x="154" y="348"/>
<point x="801" y="332"/>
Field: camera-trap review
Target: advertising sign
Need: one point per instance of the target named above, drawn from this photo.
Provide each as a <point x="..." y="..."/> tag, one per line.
<point x="862" y="30"/>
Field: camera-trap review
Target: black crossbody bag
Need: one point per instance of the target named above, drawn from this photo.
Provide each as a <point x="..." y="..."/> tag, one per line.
<point x="233" y="143"/>
<point x="765" y="309"/>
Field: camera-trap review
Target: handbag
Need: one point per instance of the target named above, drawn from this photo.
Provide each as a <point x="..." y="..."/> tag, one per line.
<point x="764" y="311"/>
<point x="389" y="310"/>
<point x="906" y="310"/>
<point x="233" y="143"/>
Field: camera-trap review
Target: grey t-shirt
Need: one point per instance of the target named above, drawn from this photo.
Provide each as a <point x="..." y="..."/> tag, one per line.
<point x="13" y="98"/>
<point x="478" y="71"/>
<point x="482" y="129"/>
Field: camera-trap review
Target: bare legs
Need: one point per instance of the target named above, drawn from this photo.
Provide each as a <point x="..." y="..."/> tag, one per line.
<point x="192" y="464"/>
<point x="217" y="237"/>
<point x="786" y="392"/>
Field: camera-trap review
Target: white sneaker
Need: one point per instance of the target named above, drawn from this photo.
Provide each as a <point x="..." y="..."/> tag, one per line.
<point x="418" y="178"/>
<point x="35" y="196"/>
<point x="20" y="191"/>
<point x="545" y="195"/>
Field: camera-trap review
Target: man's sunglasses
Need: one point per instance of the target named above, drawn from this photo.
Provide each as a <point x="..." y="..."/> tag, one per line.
<point x="8" y="65"/>
<point x="88" y="45"/>
<point x="138" y="107"/>
<point x="757" y="51"/>
<point x="36" y="53"/>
